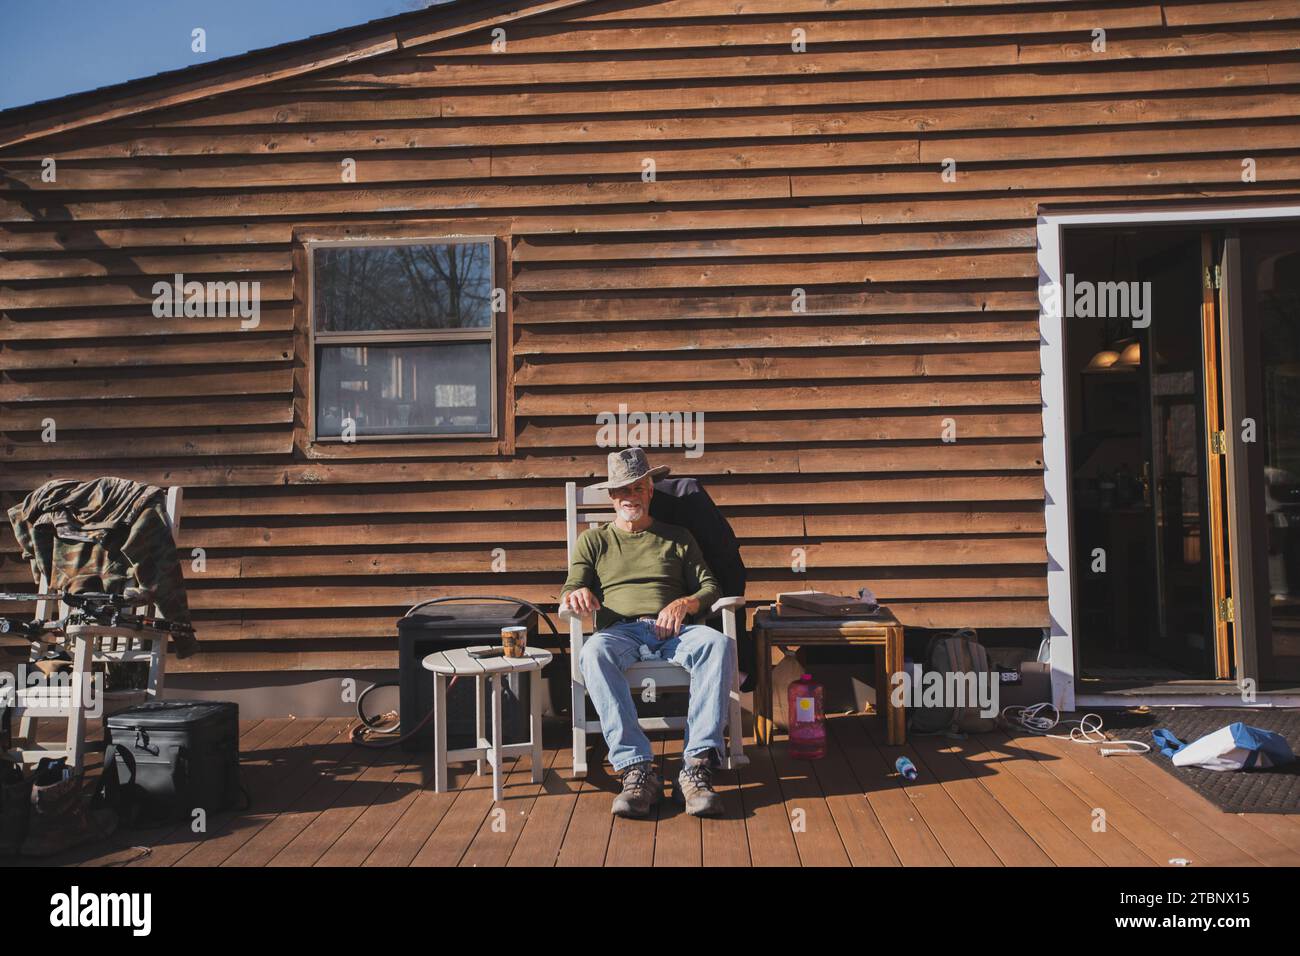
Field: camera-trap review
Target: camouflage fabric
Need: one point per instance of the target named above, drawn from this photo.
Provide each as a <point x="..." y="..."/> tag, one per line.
<point x="103" y="535"/>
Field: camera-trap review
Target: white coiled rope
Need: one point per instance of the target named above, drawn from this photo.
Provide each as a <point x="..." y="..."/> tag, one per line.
<point x="1088" y="731"/>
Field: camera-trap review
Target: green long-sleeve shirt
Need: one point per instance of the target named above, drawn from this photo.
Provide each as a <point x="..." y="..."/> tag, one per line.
<point x="641" y="572"/>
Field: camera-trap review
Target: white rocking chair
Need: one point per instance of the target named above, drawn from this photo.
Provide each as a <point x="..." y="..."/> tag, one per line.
<point x="666" y="675"/>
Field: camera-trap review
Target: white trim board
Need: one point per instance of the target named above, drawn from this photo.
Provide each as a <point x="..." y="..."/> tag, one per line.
<point x="1273" y="702"/>
<point x="1051" y="350"/>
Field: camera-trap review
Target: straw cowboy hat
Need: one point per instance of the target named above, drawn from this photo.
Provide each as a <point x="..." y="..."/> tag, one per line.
<point x="627" y="466"/>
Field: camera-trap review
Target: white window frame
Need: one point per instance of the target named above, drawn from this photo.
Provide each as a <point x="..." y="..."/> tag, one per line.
<point x="400" y="336"/>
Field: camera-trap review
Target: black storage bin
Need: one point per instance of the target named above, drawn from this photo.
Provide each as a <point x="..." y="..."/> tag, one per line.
<point x="440" y="627"/>
<point x="185" y="755"/>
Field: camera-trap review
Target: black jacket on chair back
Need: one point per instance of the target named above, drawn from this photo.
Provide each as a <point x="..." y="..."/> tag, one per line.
<point x="685" y="503"/>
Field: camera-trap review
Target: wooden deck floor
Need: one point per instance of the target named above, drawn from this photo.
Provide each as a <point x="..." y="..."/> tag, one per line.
<point x="989" y="800"/>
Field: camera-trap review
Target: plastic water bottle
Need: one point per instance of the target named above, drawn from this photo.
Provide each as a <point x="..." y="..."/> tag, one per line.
<point x="906" y="768"/>
<point x="807" y="720"/>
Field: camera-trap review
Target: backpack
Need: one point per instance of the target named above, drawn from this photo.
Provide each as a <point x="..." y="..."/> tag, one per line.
<point x="957" y="653"/>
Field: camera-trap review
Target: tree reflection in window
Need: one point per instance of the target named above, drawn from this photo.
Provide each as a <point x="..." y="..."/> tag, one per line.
<point x="369" y="288"/>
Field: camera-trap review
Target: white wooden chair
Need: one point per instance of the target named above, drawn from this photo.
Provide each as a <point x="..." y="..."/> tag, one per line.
<point x="90" y="645"/>
<point x="666" y="675"/>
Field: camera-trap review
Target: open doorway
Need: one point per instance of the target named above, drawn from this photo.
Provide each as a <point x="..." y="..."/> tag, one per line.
<point x="1148" y="528"/>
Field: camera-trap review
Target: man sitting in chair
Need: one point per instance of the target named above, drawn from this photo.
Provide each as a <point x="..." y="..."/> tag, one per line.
<point x="652" y="577"/>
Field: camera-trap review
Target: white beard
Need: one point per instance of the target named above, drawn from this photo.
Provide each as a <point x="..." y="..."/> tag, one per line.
<point x="630" y="513"/>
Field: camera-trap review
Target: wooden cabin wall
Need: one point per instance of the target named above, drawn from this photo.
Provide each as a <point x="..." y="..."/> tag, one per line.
<point x="775" y="170"/>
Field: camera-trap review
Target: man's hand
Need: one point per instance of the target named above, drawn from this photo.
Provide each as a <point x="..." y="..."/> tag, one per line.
<point x="583" y="601"/>
<point x="671" y="618"/>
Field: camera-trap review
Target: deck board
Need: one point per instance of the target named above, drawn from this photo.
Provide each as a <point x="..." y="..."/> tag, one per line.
<point x="961" y="841"/>
<point x="1002" y="799"/>
<point x="1058" y="843"/>
<point x="544" y="831"/>
<point x="908" y="834"/>
<point x="1206" y="843"/>
<point x="277" y="773"/>
<point x="1112" y="846"/>
<point x="679" y="839"/>
<point x="502" y="827"/>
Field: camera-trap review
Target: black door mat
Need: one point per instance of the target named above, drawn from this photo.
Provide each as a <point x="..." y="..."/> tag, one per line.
<point x="1252" y="791"/>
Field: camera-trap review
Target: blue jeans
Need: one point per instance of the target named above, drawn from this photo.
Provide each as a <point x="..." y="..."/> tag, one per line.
<point x="707" y="653"/>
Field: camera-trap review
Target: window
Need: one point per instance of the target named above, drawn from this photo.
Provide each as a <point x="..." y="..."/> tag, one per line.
<point x="403" y="338"/>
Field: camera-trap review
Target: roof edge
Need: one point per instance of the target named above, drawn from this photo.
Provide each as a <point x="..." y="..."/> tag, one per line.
<point x="258" y="67"/>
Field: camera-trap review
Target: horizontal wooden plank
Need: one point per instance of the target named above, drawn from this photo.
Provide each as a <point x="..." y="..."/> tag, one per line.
<point x="935" y="267"/>
<point x="203" y="173"/>
<point x="1284" y="168"/>
<point x="686" y="9"/>
<point x="1185" y="139"/>
<point x="42" y="237"/>
<point x="421" y="199"/>
<point x="69" y="448"/>
<point x="171" y="414"/>
<point x="1148" y="110"/>
<point x="946" y="394"/>
<point x="1239" y="11"/>
<point x="136" y="324"/>
<point x="546" y="249"/>
<point x="807" y="431"/>
<point x="283" y="660"/>
<point x="613" y="311"/>
<point x="783" y="368"/>
<point x="115" y="265"/>
<point x="760" y="334"/>
<point x="877" y="21"/>
<point x="235" y="347"/>
<point x="271" y="287"/>
<point x="197" y="383"/>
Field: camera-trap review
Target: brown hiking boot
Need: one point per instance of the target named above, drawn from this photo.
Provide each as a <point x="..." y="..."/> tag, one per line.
<point x="642" y="789"/>
<point x="15" y="807"/>
<point x="60" y="814"/>
<point x="694" y="788"/>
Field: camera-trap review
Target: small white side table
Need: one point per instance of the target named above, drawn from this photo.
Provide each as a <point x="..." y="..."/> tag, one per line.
<point x="458" y="663"/>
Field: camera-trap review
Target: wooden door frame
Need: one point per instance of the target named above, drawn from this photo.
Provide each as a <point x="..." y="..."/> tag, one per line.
<point x="1058" y="505"/>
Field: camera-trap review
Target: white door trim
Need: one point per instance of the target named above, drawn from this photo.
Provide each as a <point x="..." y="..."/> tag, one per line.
<point x="1060" y="594"/>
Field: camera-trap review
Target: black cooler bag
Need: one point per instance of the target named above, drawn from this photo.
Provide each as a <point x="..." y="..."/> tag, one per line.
<point x="172" y="757"/>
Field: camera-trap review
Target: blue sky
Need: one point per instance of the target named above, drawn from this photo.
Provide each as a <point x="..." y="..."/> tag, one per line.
<point x="50" y="48"/>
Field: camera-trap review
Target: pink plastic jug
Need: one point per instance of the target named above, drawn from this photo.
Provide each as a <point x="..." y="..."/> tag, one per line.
<point x="807" y="720"/>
